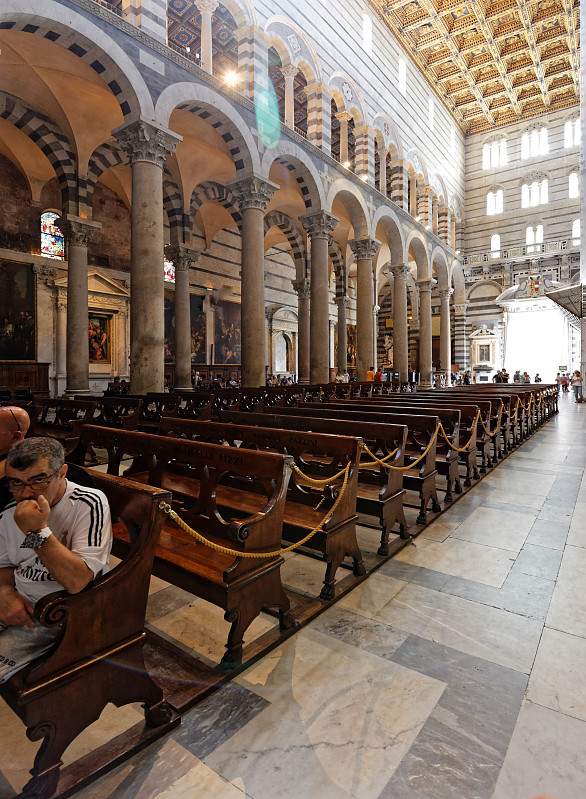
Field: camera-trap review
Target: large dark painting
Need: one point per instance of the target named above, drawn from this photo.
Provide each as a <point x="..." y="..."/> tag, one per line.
<point x="227" y="333"/>
<point x="17" y="312"/>
<point x="198" y="329"/>
<point x="99" y="334"/>
<point x="351" y="354"/>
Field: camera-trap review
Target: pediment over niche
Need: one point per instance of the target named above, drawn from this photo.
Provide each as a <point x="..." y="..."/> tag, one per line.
<point x="99" y="283"/>
<point x="482" y="332"/>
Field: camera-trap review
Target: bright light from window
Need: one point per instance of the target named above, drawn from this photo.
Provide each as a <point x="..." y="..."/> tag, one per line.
<point x="576" y="232"/>
<point x="402" y="76"/>
<point x="495" y="246"/>
<point x="573" y="186"/>
<point x="231" y="78"/>
<point x="525" y="196"/>
<point x="534" y="143"/>
<point x="572" y="133"/>
<point x="536" y="193"/>
<point x="494" y="154"/>
<point x="367" y="32"/>
<point x="544" y="192"/>
<point x="486" y="156"/>
<point x="168" y="271"/>
<point x="533" y="238"/>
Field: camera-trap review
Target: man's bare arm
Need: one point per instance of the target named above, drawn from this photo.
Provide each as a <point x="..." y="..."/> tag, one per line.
<point x="15" y="611"/>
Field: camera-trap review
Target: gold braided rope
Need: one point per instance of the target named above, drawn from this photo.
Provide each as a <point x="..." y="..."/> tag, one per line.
<point x="168" y="510"/>
<point x="497" y="429"/>
<point x="377" y="461"/>
<point x="314" y="482"/>
<point x="410" y="465"/>
<point x="466" y="446"/>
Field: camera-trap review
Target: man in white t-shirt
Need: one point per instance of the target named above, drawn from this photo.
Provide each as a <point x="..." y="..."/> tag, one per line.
<point x="55" y="535"/>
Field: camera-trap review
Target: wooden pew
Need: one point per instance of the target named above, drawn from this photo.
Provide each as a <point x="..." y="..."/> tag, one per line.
<point x="420" y="436"/>
<point x="204" y="476"/>
<point x="112" y="411"/>
<point x="318" y="456"/>
<point x="380" y="491"/>
<point x="98" y="658"/>
<point x="446" y="460"/>
<point x="57" y="417"/>
<point x="154" y="407"/>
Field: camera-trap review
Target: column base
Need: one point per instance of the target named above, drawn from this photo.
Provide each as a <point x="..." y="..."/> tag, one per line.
<point x="425" y="384"/>
<point x="182" y="388"/>
<point x="72" y="392"/>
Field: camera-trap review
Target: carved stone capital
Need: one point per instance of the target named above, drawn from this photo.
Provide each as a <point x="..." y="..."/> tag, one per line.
<point x="44" y="274"/>
<point x="206" y="6"/>
<point x="343" y="301"/>
<point x="303" y="288"/>
<point x="424" y="285"/>
<point x="253" y="192"/>
<point x="79" y="232"/>
<point x="445" y="294"/>
<point x="183" y="257"/>
<point x="344" y="116"/>
<point x="460" y="310"/>
<point x="289" y="71"/>
<point x="319" y="224"/>
<point x="364" y="249"/>
<point x="398" y="270"/>
<point x="143" y="141"/>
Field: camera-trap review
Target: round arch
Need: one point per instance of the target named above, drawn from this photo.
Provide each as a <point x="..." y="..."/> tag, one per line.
<point x="416" y="250"/>
<point x="387" y="228"/>
<point x="439" y="262"/>
<point x="281" y="31"/>
<point x="218" y="112"/>
<point x="344" y="190"/>
<point x="292" y="235"/>
<point x="458" y="282"/>
<point x="296" y="161"/>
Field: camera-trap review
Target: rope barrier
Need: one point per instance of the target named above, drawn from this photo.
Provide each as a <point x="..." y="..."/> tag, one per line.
<point x="466" y="446"/>
<point x="496" y="431"/>
<point x="377" y="461"/>
<point x="408" y="466"/>
<point x="168" y="510"/>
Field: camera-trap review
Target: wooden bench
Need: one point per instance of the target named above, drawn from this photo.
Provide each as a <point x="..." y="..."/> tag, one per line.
<point x="203" y="478"/>
<point x="58" y="417"/>
<point x="380" y="491"/>
<point x="98" y="657"/>
<point x="317" y="455"/>
<point x="421" y="429"/>
<point x="112" y="411"/>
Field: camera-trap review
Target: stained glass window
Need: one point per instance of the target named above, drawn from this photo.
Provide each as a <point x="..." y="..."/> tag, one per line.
<point x="52" y="242"/>
<point x="169" y="271"/>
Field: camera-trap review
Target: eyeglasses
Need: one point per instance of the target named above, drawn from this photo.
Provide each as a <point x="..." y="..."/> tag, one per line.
<point x="39" y="481"/>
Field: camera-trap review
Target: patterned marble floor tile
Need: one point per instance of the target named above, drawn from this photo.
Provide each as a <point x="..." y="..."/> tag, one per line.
<point x="339" y="723"/>
<point x="557" y="679"/>
<point x="546" y="757"/>
<point x="567" y="611"/>
<point x="538" y="561"/>
<point x="577" y="534"/>
<point x="496" y="528"/>
<point x="372" y="595"/>
<point x="305" y="575"/>
<point x="481" y="631"/>
<point x="440" y="529"/>
<point x="429" y="578"/>
<point x="531" y="501"/>
<point x="549" y="533"/>
<point x="458" y="558"/>
<point x="166" y="601"/>
<point x="359" y="631"/>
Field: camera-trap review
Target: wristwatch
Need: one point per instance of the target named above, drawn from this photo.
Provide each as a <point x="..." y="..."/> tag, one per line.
<point x="36" y="538"/>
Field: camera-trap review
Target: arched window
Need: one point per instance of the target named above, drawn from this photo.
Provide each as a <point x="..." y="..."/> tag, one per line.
<point x="576" y="232"/>
<point x="533" y="238"/>
<point x="52" y="241"/>
<point x="573" y="185"/>
<point x="490" y="203"/>
<point x="534" y="143"/>
<point x="494" y="202"/>
<point x="572" y="133"/>
<point x="495" y="246"/>
<point x="535" y="193"/>
<point x="494" y="154"/>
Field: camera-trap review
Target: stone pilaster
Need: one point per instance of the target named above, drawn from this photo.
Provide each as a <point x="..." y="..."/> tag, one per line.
<point x="147" y="146"/>
<point x="365" y="251"/>
<point x="319" y="225"/>
<point x="303" y="289"/>
<point x="252" y="195"/>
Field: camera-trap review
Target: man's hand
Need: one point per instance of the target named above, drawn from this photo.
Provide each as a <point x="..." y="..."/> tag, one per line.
<point x="15" y="611"/>
<point x="32" y="514"/>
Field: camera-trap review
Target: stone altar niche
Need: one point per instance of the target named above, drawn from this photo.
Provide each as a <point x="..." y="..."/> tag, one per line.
<point x="108" y="306"/>
<point x="484" y="346"/>
<point x="282" y="330"/>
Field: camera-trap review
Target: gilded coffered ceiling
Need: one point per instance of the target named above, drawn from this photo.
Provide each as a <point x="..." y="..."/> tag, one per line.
<point x="492" y="61"/>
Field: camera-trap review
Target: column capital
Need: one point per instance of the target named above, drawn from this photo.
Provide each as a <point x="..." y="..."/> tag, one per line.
<point x="145" y="141"/>
<point x="253" y="192"/>
<point x="184" y="258"/>
<point x="398" y="270"/>
<point x="319" y="224"/>
<point x="79" y="232"/>
<point x="364" y="249"/>
<point x="302" y="287"/>
<point x="424" y="285"/>
<point x="289" y="71"/>
<point x="343" y="300"/>
<point x="460" y="310"/>
<point x="206" y="6"/>
<point x="343" y="116"/>
<point x="445" y="294"/>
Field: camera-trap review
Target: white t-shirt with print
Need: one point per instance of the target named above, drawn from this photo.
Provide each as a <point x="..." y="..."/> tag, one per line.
<point x="80" y="521"/>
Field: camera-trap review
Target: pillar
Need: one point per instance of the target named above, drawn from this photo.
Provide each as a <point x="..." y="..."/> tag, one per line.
<point x="289" y="72"/>
<point x="319" y="121"/>
<point x="583" y="189"/>
<point x="252" y="195"/>
<point x="344" y="118"/>
<point x="149" y="15"/>
<point x="400" y="323"/>
<point x="303" y="290"/>
<point x="364" y="165"/>
<point x="343" y="304"/>
<point x="435" y="216"/>
<point x="253" y="62"/>
<point x="413" y="195"/>
<point x="364" y="251"/>
<point x="460" y="337"/>
<point x="319" y="226"/>
<point x="425" y="365"/>
<point x="79" y="233"/>
<point x="147" y="147"/>
<point x="445" y="333"/>
<point x="183" y="259"/>
<point x="443" y="224"/>
<point x="206" y="8"/>
<point x="61" y="341"/>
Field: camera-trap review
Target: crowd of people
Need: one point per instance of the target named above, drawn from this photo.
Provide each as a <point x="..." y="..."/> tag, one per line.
<point x="564" y="381"/>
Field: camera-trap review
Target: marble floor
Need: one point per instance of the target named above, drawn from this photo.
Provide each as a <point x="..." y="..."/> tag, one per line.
<point x="457" y="671"/>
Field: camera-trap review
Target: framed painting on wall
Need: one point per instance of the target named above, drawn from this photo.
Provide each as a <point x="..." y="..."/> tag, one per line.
<point x="198" y="329"/>
<point x="17" y="312"/>
<point x="351" y="356"/>
<point x="100" y="337"/>
<point x="227" y="333"/>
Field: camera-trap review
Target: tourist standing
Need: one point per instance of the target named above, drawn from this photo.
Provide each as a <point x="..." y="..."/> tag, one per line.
<point x="370" y="375"/>
<point x="577" y="385"/>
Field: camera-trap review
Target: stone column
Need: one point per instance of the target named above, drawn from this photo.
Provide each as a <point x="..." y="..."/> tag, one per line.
<point x="206" y="9"/>
<point x="150" y="15"/>
<point x="319" y="122"/>
<point x="435" y="217"/>
<point x="61" y="342"/>
<point x="412" y="195"/>
<point x="375" y="310"/>
<point x="147" y="146"/>
<point x="253" y="194"/>
<point x="445" y="333"/>
<point x="319" y="225"/>
<point x="460" y="336"/>
<point x="425" y="353"/>
<point x="79" y="233"/>
<point x="344" y="118"/>
<point x="289" y="72"/>
<point x="303" y="290"/>
<point x="400" y="323"/>
<point x="343" y="304"/>
<point x="364" y="251"/>
<point x="183" y="260"/>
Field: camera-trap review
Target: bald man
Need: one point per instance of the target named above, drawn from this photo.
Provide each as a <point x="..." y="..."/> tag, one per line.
<point x="14" y="425"/>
